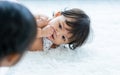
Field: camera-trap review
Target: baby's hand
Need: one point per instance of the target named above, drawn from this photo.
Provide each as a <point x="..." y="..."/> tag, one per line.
<point x="47" y="31"/>
<point x="42" y="20"/>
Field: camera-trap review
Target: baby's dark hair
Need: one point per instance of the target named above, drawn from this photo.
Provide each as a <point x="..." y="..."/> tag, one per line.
<point x="80" y="25"/>
<point x="17" y="28"/>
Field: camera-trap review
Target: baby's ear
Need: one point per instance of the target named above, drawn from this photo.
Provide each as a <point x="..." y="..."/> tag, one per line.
<point x="56" y="14"/>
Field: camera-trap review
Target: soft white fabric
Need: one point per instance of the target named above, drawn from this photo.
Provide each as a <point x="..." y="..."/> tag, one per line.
<point x="46" y="44"/>
<point x="100" y="57"/>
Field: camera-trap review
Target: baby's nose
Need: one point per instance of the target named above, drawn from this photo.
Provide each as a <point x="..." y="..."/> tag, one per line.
<point x="57" y="33"/>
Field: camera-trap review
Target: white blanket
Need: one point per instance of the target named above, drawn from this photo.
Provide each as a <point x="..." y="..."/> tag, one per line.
<point x="100" y="57"/>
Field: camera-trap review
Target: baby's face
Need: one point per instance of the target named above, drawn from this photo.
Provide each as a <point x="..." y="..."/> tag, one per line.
<point x="61" y="34"/>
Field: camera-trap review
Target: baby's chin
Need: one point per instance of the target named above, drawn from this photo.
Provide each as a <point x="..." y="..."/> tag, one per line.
<point x="51" y="39"/>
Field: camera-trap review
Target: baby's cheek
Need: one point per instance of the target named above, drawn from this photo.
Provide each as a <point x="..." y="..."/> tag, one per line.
<point x="60" y="42"/>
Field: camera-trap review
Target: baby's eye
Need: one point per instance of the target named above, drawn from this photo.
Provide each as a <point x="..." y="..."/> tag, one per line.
<point x="60" y="26"/>
<point x="63" y="37"/>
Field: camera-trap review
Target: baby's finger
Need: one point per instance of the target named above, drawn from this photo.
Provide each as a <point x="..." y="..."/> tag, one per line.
<point x="51" y="29"/>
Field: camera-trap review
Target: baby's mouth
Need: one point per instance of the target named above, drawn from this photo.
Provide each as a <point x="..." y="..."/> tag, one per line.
<point x="52" y="36"/>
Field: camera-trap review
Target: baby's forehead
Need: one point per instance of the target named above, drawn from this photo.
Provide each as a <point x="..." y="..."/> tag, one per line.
<point x="68" y="31"/>
<point x="64" y="22"/>
<point x="70" y="19"/>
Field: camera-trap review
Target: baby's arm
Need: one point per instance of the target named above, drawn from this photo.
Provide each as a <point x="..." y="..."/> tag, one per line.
<point x="43" y="30"/>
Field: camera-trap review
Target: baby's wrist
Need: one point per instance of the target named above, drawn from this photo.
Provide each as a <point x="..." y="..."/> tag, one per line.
<point x="39" y="33"/>
<point x="42" y="33"/>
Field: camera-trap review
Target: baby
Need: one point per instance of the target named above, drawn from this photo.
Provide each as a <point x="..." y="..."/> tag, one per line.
<point x="70" y="27"/>
<point x="17" y="31"/>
